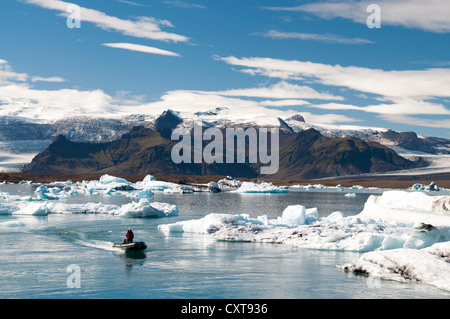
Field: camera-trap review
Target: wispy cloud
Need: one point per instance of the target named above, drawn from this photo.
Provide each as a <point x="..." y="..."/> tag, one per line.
<point x="431" y="82"/>
<point x="131" y="3"/>
<point x="183" y="4"/>
<point x="49" y="79"/>
<point x="327" y="37"/>
<point x="8" y="76"/>
<point x="140" y="48"/>
<point x="281" y="90"/>
<point x="431" y="15"/>
<point x="142" y="27"/>
<point x="397" y="93"/>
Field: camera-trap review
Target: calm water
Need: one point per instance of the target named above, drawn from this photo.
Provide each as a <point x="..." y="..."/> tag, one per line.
<point x="36" y="251"/>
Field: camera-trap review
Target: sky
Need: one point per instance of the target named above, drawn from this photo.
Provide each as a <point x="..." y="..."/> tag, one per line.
<point x="323" y="59"/>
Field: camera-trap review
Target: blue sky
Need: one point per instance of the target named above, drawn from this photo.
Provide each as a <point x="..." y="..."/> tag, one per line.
<point x="319" y="59"/>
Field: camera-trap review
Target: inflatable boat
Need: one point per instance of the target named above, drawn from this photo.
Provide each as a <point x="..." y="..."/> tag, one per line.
<point x="135" y="246"/>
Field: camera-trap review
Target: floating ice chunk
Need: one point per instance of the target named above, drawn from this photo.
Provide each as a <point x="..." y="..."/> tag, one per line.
<point x="144" y="208"/>
<point x="149" y="178"/>
<point x="429" y="265"/>
<point x="229" y="183"/>
<point x="294" y="215"/>
<point x="408" y="207"/>
<point x="107" y="179"/>
<point x="249" y="187"/>
<point x="432" y="187"/>
<point x="350" y="195"/>
<point x="150" y="182"/>
<point x="179" y="189"/>
<point x="146" y="193"/>
<point x="107" y="182"/>
<point x="24" y="208"/>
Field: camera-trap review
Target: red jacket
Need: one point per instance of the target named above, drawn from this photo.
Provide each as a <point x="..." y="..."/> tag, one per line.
<point x="130" y="234"/>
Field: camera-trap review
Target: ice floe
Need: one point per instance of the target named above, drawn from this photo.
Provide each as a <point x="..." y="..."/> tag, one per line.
<point x="142" y="209"/>
<point x="409" y="208"/>
<point x="393" y="230"/>
<point x="430" y="265"/>
<point x="263" y="187"/>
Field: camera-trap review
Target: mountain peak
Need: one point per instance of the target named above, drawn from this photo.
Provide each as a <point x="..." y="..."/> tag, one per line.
<point x="166" y="122"/>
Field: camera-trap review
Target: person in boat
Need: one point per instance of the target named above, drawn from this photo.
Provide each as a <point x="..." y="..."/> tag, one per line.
<point x="130" y="236"/>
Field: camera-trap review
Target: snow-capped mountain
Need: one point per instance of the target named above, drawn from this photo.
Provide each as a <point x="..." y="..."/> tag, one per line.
<point x="22" y="138"/>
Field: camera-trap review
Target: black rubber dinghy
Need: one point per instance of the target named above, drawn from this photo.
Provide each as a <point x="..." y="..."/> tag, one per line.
<point x="135" y="246"/>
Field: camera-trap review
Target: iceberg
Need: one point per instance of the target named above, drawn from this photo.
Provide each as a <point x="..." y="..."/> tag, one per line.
<point x="409" y="208"/>
<point x="142" y="209"/>
<point x="302" y="227"/>
<point x="146" y="193"/>
<point x="54" y="193"/>
<point x="150" y="182"/>
<point x="264" y="187"/>
<point x="228" y="184"/>
<point x="392" y="233"/>
<point x="106" y="182"/>
<point x="179" y="189"/>
<point x="24" y="208"/>
<point x="429" y="265"/>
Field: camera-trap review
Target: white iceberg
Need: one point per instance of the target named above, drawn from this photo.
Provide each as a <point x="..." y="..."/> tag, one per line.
<point x="350" y="195"/>
<point x="144" y="209"/>
<point x="408" y="208"/>
<point x="302" y="227"/>
<point x="53" y="193"/>
<point x="150" y="182"/>
<point x="24" y="208"/>
<point x="179" y="189"/>
<point x="145" y="193"/>
<point x="106" y="182"/>
<point x="429" y="265"/>
<point x="392" y="230"/>
<point x="264" y="187"/>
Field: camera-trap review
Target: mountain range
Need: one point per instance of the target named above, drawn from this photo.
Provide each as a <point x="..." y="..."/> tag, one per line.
<point x="304" y="153"/>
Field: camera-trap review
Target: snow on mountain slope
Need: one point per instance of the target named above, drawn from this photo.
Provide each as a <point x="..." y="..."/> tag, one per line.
<point x="22" y="138"/>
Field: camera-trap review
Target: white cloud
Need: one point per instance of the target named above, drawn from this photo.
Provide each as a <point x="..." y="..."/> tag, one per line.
<point x="283" y="102"/>
<point x="392" y="84"/>
<point x="140" y="48"/>
<point x="239" y="109"/>
<point x="281" y="90"/>
<point x="404" y="119"/>
<point x="142" y="27"/>
<point x="49" y="79"/>
<point x="21" y="100"/>
<point x="399" y="93"/>
<point x="131" y="3"/>
<point x="430" y="15"/>
<point x="327" y="37"/>
<point x="7" y="75"/>
<point x="183" y="4"/>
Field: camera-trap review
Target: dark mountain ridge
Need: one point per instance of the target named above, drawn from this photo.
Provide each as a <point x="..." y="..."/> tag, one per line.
<point x="306" y="155"/>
